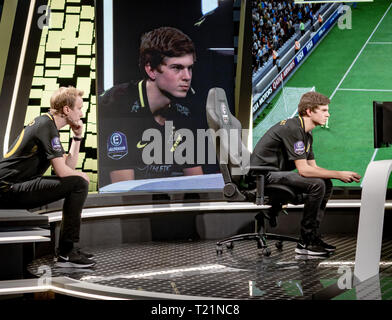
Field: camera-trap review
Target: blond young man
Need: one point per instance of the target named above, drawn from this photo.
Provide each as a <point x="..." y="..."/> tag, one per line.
<point x="23" y="186"/>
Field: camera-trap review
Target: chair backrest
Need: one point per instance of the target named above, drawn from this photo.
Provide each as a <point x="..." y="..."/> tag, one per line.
<point x="234" y="157"/>
<point x="232" y="154"/>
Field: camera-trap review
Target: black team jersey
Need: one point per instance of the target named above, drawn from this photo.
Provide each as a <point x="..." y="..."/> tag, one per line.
<point x="283" y="143"/>
<point x="29" y="156"/>
<point x="124" y="116"/>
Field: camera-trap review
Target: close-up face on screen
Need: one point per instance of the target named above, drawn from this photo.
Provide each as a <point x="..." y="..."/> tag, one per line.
<point x="156" y="68"/>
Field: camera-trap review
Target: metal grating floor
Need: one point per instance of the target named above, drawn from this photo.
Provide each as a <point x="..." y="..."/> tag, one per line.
<point x="194" y="269"/>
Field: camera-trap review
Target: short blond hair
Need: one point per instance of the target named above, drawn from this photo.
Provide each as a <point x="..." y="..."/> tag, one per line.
<point x="64" y="96"/>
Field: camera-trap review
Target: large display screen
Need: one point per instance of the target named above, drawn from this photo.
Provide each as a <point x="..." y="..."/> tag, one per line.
<point x="289" y="61"/>
<point x="156" y="62"/>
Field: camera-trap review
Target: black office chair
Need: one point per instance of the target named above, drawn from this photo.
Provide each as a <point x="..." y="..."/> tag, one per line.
<point x="243" y="182"/>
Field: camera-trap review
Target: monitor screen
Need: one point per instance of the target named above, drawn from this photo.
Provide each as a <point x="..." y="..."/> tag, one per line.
<point x="382" y="124"/>
<point x="152" y="92"/>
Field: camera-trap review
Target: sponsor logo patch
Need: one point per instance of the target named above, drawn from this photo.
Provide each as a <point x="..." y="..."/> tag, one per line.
<point x="136" y="107"/>
<point x="56" y="145"/>
<point x="299" y="147"/>
<point x="117" y="146"/>
<point x="141" y="145"/>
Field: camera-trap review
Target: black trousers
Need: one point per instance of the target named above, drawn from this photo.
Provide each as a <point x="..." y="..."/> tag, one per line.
<point x="317" y="190"/>
<point x="41" y="191"/>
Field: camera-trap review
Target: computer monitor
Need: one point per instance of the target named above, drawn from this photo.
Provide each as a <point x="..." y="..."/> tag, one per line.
<point x="382" y="124"/>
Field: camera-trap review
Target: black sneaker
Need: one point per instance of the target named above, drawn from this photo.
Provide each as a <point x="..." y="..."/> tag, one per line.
<point x="310" y="249"/>
<point x="326" y="246"/>
<point x="79" y="251"/>
<point x="73" y="260"/>
<point x="84" y="253"/>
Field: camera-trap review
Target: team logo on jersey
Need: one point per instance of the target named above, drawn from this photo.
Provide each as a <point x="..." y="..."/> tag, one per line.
<point x="141" y="145"/>
<point x="299" y="147"/>
<point x="117" y="146"/>
<point x="135" y="107"/>
<point x="183" y="110"/>
<point x="56" y="145"/>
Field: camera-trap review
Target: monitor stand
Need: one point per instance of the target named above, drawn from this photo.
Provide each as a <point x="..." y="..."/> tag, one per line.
<point x="371" y="219"/>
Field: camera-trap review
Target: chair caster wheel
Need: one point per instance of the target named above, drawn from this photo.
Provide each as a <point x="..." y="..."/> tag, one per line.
<point x="266" y="252"/>
<point x="230" y="246"/>
<point x="219" y="250"/>
<point x="279" y="245"/>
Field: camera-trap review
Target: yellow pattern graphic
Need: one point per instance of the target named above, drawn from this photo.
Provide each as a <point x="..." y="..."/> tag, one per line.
<point x="66" y="57"/>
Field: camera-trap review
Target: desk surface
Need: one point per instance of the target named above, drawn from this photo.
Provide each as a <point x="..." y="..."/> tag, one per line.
<point x="204" y="182"/>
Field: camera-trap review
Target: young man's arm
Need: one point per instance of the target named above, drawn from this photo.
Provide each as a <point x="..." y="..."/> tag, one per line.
<point x="309" y="169"/>
<point x="194" y="171"/>
<point x="122" y="175"/>
<point x="129" y="174"/>
<point x="71" y="159"/>
<point x="63" y="170"/>
<point x="312" y="163"/>
<point x="65" y="166"/>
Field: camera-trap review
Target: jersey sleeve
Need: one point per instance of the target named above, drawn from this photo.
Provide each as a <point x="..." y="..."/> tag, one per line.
<point x="310" y="153"/>
<point x="294" y="143"/>
<point x="49" y="138"/>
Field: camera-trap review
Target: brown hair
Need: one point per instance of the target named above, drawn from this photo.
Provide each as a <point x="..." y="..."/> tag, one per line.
<point x="163" y="42"/>
<point x="311" y="100"/>
<point x="64" y="97"/>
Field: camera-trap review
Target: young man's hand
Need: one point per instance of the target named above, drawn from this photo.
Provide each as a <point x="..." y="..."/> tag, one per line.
<point x="77" y="128"/>
<point x="85" y="176"/>
<point x="349" y="176"/>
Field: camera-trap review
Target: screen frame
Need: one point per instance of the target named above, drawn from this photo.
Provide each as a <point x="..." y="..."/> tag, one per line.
<point x="102" y="73"/>
<point x="379" y="119"/>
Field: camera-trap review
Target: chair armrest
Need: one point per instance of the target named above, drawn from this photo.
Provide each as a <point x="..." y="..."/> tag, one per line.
<point x="260" y="170"/>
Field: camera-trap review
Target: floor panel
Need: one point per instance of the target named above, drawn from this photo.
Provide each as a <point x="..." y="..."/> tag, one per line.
<point x="194" y="269"/>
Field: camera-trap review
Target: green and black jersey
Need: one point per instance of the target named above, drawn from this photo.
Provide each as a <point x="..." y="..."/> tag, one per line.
<point x="29" y="156"/>
<point x="282" y="144"/>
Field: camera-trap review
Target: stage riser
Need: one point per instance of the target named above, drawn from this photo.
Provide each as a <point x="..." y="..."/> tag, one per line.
<point x="209" y="226"/>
